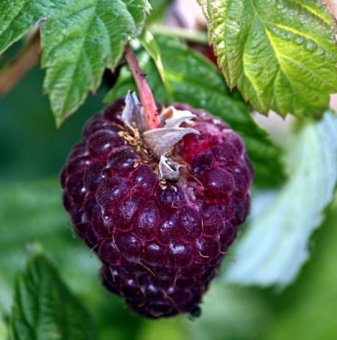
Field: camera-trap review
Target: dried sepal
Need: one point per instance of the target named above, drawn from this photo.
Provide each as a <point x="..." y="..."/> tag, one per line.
<point x="169" y="169"/>
<point x="175" y="118"/>
<point x="133" y="113"/>
<point x="162" y="140"/>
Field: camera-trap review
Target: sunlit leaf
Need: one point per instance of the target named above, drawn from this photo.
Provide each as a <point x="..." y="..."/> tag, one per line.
<point x="281" y="55"/>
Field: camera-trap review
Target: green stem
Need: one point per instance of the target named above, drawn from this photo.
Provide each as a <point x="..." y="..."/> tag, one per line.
<point x="183" y="33"/>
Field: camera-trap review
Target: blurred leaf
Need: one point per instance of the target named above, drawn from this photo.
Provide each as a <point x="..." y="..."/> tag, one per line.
<point x="281" y="55"/>
<point x="158" y="10"/>
<point x="31" y="213"/>
<point x="307" y="309"/>
<point x="44" y="308"/>
<point x="230" y="313"/>
<point x="79" y="40"/>
<point x="3" y="330"/>
<point x="169" y="329"/>
<point x="193" y="79"/>
<point x="275" y="245"/>
<point x="149" y="43"/>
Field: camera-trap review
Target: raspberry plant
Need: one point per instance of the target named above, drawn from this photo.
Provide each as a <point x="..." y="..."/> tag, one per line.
<point x="161" y="182"/>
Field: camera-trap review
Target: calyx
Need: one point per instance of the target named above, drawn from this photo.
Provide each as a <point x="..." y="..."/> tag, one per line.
<point x="174" y="126"/>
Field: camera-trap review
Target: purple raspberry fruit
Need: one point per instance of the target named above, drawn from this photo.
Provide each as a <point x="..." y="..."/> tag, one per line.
<point x="159" y="207"/>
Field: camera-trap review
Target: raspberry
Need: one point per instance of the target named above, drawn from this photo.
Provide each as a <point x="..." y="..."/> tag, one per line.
<point x="160" y="236"/>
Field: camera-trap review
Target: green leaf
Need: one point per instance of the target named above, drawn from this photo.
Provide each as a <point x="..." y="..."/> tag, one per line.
<point x="158" y="10"/>
<point x="79" y="40"/>
<point x="281" y="54"/>
<point x="44" y="308"/>
<point x="17" y="17"/>
<point x="193" y="79"/>
<point x="149" y="43"/>
<point x="275" y="245"/>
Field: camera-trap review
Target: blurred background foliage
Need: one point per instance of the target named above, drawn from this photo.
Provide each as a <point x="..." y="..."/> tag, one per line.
<point x="32" y="152"/>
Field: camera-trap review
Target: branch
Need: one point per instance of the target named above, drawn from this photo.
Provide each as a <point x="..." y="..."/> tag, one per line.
<point x="21" y="64"/>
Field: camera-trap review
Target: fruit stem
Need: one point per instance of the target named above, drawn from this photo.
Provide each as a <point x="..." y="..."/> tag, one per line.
<point x="145" y="93"/>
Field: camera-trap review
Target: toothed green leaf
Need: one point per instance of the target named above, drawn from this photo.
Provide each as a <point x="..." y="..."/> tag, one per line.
<point x="79" y="40"/>
<point x="44" y="308"/>
<point x="280" y="54"/>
